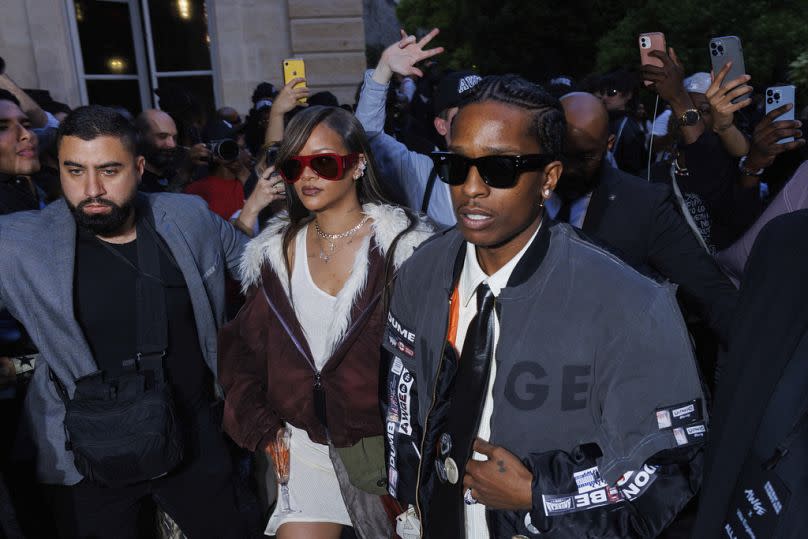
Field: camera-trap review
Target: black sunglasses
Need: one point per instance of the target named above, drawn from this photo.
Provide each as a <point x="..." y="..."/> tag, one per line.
<point x="499" y="171"/>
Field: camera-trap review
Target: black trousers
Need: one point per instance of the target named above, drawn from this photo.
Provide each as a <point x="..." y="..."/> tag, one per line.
<point x="200" y="496"/>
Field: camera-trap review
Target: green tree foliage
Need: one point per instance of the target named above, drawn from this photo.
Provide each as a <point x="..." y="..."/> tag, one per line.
<point x="541" y="38"/>
<point x="772" y="33"/>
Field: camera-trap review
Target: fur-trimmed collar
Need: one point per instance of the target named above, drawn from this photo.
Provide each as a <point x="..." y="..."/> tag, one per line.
<point x="387" y="222"/>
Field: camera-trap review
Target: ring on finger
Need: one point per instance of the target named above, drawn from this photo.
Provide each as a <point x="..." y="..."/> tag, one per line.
<point x="468" y="499"/>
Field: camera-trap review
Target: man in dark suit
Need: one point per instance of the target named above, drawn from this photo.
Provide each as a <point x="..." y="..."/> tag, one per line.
<point x="639" y="221"/>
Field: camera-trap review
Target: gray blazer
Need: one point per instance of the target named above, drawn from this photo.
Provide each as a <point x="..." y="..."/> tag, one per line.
<point x="37" y="256"/>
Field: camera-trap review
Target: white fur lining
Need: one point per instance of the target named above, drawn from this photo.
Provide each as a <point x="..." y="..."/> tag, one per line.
<point x="388" y="221"/>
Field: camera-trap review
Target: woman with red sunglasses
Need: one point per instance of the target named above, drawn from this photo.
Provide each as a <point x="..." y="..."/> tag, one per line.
<point x="304" y="350"/>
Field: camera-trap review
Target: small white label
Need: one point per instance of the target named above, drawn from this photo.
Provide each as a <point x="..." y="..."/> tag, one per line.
<point x="588" y="480"/>
<point x="681" y="437"/>
<point x="663" y="418"/>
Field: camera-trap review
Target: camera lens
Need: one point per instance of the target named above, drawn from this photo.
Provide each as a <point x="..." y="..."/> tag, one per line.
<point x="715" y="53"/>
<point x="720" y="48"/>
<point x="777" y="96"/>
<point x="713" y="45"/>
<point x="770" y="101"/>
<point x="769" y="92"/>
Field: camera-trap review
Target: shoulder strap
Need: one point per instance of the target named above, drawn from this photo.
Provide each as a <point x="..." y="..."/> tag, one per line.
<point x="389" y="258"/>
<point x="430" y="184"/>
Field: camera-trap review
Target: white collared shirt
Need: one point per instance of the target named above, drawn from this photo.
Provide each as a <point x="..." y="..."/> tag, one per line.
<point x="578" y="208"/>
<point x="470" y="278"/>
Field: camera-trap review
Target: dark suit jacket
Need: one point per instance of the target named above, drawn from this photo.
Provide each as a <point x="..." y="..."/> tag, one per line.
<point x="641" y="222"/>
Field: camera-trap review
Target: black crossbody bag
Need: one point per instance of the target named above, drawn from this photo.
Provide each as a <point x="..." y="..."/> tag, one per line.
<point x="123" y="429"/>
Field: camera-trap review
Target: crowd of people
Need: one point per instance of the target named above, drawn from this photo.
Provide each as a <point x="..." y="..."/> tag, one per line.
<point x="467" y="306"/>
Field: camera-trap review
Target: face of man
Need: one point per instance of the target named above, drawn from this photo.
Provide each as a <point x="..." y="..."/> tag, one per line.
<point x="18" y="144"/>
<point x="160" y="140"/>
<point x="587" y="141"/>
<point x="488" y="216"/>
<point x="614" y="99"/>
<point x="99" y="180"/>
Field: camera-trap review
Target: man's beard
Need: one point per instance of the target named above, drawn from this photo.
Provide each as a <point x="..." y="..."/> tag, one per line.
<point x="162" y="160"/>
<point x="575" y="182"/>
<point x="102" y="224"/>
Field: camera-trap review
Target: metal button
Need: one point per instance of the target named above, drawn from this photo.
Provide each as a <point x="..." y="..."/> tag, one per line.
<point x="452" y="473"/>
<point x="441" y="471"/>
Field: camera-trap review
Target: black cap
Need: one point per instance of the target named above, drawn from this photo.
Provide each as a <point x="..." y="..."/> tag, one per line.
<point x="222" y="129"/>
<point x="451" y="87"/>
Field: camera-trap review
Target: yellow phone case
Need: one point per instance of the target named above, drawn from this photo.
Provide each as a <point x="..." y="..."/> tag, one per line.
<point x="293" y="68"/>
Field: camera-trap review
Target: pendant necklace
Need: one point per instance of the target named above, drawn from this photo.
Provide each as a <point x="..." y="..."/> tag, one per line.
<point x="331" y="238"/>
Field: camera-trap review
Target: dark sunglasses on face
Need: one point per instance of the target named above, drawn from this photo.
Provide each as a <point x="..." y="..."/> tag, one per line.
<point x="610" y="92"/>
<point x="499" y="171"/>
<point x="329" y="166"/>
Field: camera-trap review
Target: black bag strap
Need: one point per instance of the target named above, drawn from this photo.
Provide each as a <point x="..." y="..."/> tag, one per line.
<point x="430" y="184"/>
<point x="151" y="316"/>
<point x="389" y="259"/>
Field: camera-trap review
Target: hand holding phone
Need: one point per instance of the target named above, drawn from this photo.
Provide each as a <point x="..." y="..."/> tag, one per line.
<point x="652" y="41"/>
<point x="777" y="97"/>
<point x="295" y="68"/>
<point x="727" y="49"/>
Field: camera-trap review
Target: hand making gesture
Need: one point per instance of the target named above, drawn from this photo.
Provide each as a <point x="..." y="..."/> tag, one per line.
<point x="401" y="57"/>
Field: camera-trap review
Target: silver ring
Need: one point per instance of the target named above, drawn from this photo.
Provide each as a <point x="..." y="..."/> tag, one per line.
<point x="468" y="498"/>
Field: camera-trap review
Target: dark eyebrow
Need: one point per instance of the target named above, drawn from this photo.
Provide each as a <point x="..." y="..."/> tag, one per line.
<point x="72" y="164"/>
<point x="110" y="164"/>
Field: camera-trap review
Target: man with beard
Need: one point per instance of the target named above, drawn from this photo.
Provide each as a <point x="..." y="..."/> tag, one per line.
<point x="18" y="157"/>
<point x="637" y="220"/>
<point x="157" y="134"/>
<point x="85" y="276"/>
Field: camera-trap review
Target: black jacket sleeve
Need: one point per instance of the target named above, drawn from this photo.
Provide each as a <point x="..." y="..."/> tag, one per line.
<point x="676" y="253"/>
<point x="570" y="499"/>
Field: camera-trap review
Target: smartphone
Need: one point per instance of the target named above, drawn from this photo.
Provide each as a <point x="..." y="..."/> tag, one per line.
<point x="725" y="49"/>
<point x="777" y="96"/>
<point x="652" y="41"/>
<point x="293" y="68"/>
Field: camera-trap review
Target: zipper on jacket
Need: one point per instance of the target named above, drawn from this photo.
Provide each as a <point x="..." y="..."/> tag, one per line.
<point x="426" y="424"/>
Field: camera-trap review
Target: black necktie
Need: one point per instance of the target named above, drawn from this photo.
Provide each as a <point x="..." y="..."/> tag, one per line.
<point x="447" y="510"/>
<point x="563" y="215"/>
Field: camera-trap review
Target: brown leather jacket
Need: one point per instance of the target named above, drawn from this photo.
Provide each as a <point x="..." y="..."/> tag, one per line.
<point x="265" y="364"/>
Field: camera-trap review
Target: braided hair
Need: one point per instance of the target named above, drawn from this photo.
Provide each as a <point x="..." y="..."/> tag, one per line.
<point x="548" y="123"/>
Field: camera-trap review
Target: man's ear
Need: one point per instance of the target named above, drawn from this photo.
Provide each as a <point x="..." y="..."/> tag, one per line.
<point x="140" y="166"/>
<point x="552" y="173"/>
<point x="441" y="126"/>
<point x="610" y="143"/>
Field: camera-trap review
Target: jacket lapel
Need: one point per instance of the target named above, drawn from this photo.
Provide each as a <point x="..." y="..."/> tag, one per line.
<point x="170" y="232"/>
<point x="601" y="197"/>
<point x="62" y="261"/>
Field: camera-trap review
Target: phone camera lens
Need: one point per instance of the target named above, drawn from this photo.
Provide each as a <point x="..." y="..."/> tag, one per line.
<point x="713" y="45"/>
<point x="777" y="96"/>
<point x="715" y="53"/>
<point x="770" y="101"/>
<point x="769" y="92"/>
<point x="720" y="48"/>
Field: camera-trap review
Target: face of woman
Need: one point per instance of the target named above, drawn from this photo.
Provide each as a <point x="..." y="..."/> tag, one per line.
<point x="317" y="193"/>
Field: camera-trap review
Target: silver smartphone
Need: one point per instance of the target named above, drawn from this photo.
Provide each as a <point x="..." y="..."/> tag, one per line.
<point x="725" y="49"/>
<point x="777" y="96"/>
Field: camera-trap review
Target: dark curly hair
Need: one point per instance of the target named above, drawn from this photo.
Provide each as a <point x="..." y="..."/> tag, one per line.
<point x="548" y="123"/>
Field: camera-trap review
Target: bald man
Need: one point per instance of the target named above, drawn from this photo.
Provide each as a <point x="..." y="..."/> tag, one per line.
<point x="157" y="135"/>
<point x="640" y="221"/>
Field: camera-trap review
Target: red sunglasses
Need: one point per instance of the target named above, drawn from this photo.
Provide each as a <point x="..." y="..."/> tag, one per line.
<point x="329" y="166"/>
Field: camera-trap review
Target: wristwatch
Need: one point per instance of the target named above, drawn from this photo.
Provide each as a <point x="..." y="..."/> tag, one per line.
<point x="749" y="171"/>
<point x="689" y="118"/>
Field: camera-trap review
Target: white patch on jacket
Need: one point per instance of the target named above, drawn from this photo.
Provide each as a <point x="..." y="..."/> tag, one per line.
<point x="388" y="221"/>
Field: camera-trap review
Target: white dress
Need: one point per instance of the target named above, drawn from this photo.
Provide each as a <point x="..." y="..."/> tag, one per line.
<point x="313" y="486"/>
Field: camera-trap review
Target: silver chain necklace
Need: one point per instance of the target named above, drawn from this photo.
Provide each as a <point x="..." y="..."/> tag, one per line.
<point x="330" y="238"/>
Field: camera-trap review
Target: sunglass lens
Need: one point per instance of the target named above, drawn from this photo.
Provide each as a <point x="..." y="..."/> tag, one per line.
<point x="291" y="170"/>
<point x="326" y="166"/>
<point x="457" y="169"/>
<point x="499" y="172"/>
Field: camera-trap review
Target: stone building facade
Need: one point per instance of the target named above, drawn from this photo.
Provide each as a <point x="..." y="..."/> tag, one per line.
<point x="56" y="44"/>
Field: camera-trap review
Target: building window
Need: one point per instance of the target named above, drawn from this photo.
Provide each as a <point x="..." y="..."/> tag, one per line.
<point x="127" y="50"/>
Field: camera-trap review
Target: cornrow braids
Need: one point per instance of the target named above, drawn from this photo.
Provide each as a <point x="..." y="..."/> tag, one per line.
<point x="548" y="125"/>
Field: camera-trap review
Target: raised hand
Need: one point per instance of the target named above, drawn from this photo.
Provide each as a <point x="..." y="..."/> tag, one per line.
<point x="721" y="98"/>
<point x="765" y="145"/>
<point x="287" y="98"/>
<point x="666" y="80"/>
<point x="401" y="56"/>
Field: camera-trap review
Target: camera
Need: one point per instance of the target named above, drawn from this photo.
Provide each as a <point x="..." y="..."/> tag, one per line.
<point x="226" y="150"/>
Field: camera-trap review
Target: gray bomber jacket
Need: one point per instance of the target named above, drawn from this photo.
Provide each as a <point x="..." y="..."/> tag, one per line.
<point x="591" y="354"/>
